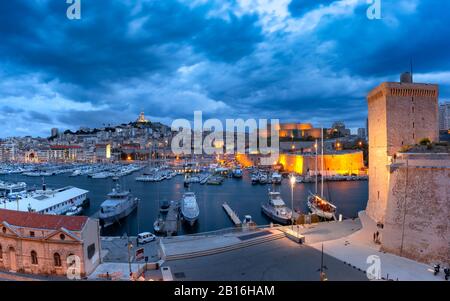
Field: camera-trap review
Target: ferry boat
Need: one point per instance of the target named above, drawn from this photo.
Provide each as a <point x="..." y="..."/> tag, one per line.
<point x="118" y="205"/>
<point x="276" y="209"/>
<point x="189" y="208"/>
<point x="49" y="201"/>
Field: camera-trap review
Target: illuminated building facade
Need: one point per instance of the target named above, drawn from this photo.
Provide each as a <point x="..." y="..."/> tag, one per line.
<point x="298" y="131"/>
<point x="342" y="163"/>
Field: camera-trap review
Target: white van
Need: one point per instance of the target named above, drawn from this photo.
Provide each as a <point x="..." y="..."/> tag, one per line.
<point x="145" y="237"/>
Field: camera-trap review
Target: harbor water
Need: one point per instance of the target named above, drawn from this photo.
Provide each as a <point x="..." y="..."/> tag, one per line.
<point x="350" y="197"/>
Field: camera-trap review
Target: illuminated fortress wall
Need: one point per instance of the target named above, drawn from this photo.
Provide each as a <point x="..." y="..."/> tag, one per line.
<point x="342" y="163"/>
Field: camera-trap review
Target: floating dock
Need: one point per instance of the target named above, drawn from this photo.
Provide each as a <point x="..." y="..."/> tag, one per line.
<point x="170" y="222"/>
<point x="233" y="216"/>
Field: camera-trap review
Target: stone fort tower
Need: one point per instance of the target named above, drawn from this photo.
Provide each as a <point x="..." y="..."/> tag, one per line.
<point x="400" y="114"/>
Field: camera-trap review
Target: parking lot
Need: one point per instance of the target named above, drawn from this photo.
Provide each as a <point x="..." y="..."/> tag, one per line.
<point x="115" y="249"/>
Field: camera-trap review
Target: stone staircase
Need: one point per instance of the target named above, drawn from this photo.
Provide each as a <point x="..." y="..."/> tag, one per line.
<point x="243" y="244"/>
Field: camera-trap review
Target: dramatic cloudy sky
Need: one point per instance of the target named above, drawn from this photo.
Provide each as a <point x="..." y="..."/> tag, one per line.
<point x="296" y="60"/>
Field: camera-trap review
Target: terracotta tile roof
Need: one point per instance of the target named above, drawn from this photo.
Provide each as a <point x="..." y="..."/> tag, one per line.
<point x="41" y="221"/>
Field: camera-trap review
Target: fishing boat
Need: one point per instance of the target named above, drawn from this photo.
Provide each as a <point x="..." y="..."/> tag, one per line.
<point x="276" y="209"/>
<point x="276" y="178"/>
<point x="164" y="206"/>
<point x="255" y="179"/>
<point x="76" y="173"/>
<point x="75" y="210"/>
<point x="215" y="180"/>
<point x="237" y="173"/>
<point x="189" y="208"/>
<point x="263" y="178"/>
<point x="118" y="205"/>
<point x="158" y="225"/>
<point x="248" y="222"/>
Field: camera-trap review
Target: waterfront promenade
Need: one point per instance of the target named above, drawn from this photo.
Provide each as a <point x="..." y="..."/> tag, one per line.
<point x="357" y="247"/>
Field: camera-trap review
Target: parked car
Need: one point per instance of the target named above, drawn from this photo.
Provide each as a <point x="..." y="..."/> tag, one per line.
<point x="145" y="237"/>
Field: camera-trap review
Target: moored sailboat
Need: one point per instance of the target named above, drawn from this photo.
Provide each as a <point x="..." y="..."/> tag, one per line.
<point x="318" y="205"/>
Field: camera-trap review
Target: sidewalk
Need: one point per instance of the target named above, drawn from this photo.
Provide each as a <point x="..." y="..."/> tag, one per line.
<point x="357" y="247"/>
<point x="120" y="271"/>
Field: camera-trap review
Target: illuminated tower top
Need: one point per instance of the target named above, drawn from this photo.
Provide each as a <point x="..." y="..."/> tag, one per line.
<point x="141" y="118"/>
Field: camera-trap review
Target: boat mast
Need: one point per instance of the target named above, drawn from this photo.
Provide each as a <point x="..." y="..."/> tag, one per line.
<point x="316" y="145"/>
<point x="322" y="170"/>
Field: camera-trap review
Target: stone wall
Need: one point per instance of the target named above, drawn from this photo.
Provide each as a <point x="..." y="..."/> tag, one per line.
<point x="400" y="114"/>
<point x="417" y="223"/>
<point x="339" y="163"/>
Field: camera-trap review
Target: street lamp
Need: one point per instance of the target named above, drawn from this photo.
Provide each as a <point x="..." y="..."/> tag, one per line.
<point x="292" y="181"/>
<point x="129" y="247"/>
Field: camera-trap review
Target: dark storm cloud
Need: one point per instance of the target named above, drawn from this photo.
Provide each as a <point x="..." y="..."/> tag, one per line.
<point x="172" y="57"/>
<point x="10" y="110"/>
<point x="371" y="48"/>
<point x="39" y="117"/>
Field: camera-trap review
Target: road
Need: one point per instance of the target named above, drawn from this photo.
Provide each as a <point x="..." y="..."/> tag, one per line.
<point x="116" y="248"/>
<point x="282" y="260"/>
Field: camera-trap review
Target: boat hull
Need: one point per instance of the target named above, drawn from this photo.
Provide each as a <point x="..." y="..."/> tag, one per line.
<point x="274" y="217"/>
<point x="190" y="220"/>
<point x="112" y="219"/>
<point x="323" y="214"/>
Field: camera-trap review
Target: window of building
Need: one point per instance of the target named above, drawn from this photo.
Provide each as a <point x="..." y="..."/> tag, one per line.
<point x="91" y="251"/>
<point x="31" y="233"/>
<point x="378" y="195"/>
<point x="73" y="260"/>
<point x="57" y="259"/>
<point x="34" y="257"/>
<point x="62" y="236"/>
<point x="1" y="252"/>
<point x="4" y="229"/>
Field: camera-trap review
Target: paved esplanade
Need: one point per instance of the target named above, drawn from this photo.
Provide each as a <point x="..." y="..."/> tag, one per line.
<point x="357" y="247"/>
<point x="280" y="259"/>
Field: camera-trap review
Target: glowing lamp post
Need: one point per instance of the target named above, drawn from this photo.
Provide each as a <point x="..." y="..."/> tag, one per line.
<point x="292" y="181"/>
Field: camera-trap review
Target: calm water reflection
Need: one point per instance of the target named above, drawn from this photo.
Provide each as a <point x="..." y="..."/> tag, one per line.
<point x="350" y="197"/>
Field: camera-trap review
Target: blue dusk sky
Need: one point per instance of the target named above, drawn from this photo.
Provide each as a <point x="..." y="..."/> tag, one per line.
<point x="295" y="60"/>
